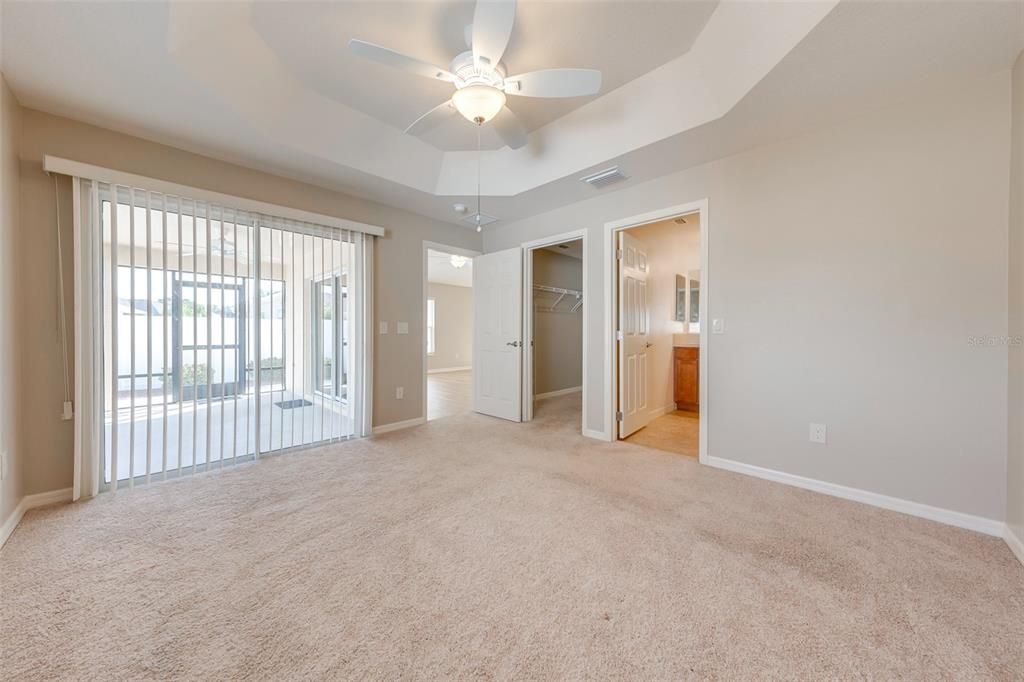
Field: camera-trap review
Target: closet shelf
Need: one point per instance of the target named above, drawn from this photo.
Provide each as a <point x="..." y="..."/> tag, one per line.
<point x="577" y="298"/>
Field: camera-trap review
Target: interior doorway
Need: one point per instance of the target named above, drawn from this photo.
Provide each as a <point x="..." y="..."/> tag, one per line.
<point x="659" y="356"/>
<point x="448" y="331"/>
<point x="554" y="325"/>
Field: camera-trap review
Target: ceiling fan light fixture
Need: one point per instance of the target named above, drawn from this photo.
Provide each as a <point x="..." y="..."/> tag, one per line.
<point x="478" y="103"/>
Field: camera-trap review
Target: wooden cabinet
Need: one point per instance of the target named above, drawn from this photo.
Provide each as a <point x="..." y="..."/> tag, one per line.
<point x="686" y="378"/>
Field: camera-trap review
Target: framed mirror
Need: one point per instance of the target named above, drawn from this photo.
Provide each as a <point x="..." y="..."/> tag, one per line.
<point x="680" y="299"/>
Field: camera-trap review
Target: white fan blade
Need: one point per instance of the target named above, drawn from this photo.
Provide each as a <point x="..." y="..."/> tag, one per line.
<point x="388" y="57"/>
<point x="555" y="83"/>
<point x="492" y="26"/>
<point x="432" y="118"/>
<point x="509" y="128"/>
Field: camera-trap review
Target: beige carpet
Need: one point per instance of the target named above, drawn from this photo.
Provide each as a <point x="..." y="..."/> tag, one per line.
<point x="473" y="548"/>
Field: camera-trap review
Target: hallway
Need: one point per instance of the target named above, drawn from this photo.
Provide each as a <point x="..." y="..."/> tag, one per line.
<point x="449" y="393"/>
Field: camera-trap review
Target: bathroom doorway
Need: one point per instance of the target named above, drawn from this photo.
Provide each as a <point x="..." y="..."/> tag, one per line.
<point x="658" y="282"/>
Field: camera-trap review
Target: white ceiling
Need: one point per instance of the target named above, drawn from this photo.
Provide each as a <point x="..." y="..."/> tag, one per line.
<point x="441" y="271"/>
<point x="311" y="39"/>
<point x="573" y="249"/>
<point x="270" y="85"/>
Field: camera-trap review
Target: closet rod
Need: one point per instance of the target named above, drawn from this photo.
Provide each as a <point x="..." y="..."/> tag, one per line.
<point x="557" y="290"/>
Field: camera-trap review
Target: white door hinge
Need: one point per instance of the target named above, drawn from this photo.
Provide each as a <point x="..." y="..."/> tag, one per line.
<point x="618" y="416"/>
<point x="618" y="335"/>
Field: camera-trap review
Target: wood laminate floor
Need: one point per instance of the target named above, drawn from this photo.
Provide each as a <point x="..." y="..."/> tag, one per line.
<point x="449" y="393"/>
<point x="677" y="432"/>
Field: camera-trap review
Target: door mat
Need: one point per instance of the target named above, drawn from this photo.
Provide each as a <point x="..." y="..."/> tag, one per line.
<point x="292" y="404"/>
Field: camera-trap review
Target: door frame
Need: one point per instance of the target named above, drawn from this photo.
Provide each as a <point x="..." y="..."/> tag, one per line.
<point x="611" y="374"/>
<point x="444" y="248"/>
<point x="528" y="248"/>
<point x="340" y="351"/>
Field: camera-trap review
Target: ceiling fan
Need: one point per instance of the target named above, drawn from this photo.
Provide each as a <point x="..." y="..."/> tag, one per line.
<point x="480" y="79"/>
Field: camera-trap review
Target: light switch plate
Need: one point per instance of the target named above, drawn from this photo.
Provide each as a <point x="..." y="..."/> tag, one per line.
<point x="399" y="393"/>
<point x="401" y="327"/>
<point x="718" y="325"/>
<point x="383" y="327"/>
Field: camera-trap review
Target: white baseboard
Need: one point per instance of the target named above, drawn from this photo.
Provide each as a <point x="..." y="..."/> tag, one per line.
<point x="449" y="369"/>
<point x="31" y="502"/>
<point x="664" y="409"/>
<point x="554" y="394"/>
<point x="924" y="511"/>
<point x="397" y="426"/>
<point x="1015" y="543"/>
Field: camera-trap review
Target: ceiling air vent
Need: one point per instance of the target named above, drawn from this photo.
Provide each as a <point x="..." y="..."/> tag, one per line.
<point x="484" y="219"/>
<point x="604" y="178"/>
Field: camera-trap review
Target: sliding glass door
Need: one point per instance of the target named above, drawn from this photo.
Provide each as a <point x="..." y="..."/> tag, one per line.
<point x="225" y="335"/>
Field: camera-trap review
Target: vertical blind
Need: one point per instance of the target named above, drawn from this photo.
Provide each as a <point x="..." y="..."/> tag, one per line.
<point x="218" y="335"/>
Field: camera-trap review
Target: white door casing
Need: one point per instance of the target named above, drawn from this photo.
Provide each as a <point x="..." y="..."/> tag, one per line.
<point x="634" y="335"/>
<point x="497" y="334"/>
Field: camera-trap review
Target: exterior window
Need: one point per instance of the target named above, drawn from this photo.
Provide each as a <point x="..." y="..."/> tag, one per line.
<point x="430" y="326"/>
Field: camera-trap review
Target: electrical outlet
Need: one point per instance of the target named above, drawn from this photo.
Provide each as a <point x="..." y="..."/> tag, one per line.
<point x="383" y="327"/>
<point x="819" y="433"/>
<point x="3" y="465"/>
<point x="400" y="393"/>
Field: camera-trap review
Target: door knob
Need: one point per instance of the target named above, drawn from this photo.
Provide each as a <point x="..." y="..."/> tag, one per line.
<point x="514" y="344"/>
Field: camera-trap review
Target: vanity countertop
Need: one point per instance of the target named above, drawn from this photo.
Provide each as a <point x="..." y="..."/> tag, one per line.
<point x="686" y="340"/>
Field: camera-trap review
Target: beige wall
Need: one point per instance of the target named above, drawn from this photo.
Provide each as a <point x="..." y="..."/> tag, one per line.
<point x="557" y="336"/>
<point x="11" y="449"/>
<point x="398" y="277"/>
<point x="453" y="326"/>
<point x="672" y="250"/>
<point x="1015" y="464"/>
<point x="831" y="317"/>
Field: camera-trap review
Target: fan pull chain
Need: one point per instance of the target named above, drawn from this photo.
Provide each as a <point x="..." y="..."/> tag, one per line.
<point x="479" y="215"/>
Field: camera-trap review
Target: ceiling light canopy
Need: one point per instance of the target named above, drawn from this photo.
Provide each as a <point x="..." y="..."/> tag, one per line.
<point x="457" y="261"/>
<point x="479" y="103"/>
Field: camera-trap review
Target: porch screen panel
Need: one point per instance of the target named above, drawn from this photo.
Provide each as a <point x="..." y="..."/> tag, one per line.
<point x="224" y="335"/>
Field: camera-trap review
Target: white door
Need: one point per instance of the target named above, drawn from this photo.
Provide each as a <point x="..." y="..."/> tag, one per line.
<point x="497" y="334"/>
<point x="634" y="335"/>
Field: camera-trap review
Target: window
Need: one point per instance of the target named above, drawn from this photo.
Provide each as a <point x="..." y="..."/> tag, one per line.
<point x="430" y="326"/>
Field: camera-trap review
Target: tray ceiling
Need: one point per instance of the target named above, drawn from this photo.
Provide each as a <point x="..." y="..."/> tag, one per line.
<point x="630" y="39"/>
<point x="272" y="86"/>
